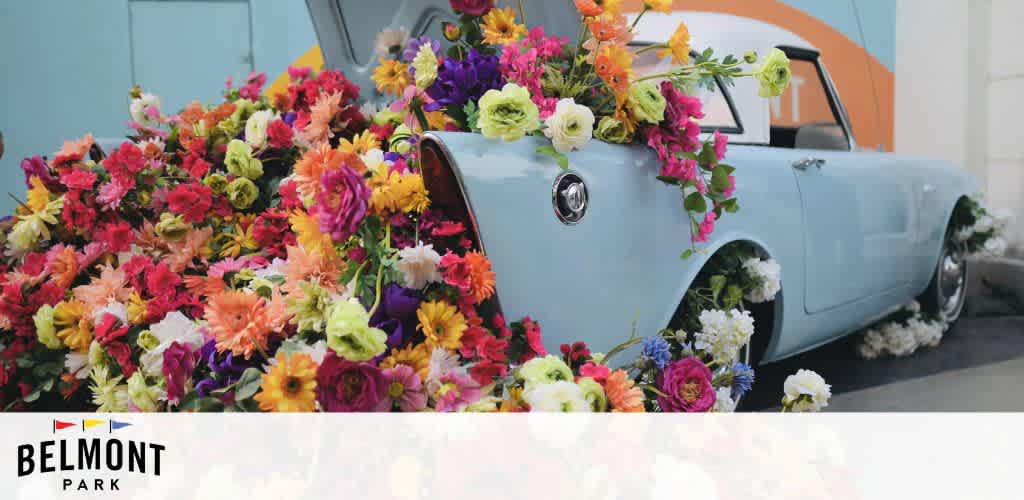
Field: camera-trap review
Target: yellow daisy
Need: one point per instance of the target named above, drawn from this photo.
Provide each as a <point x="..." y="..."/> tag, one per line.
<point x="241" y="239"/>
<point x="416" y="357"/>
<point x="678" y="46"/>
<point x="360" y="143"/>
<point x="500" y="27"/>
<point x="442" y="324"/>
<point x="290" y="386"/>
<point x="663" y="6"/>
<point x="73" y="324"/>
<point x="391" y="76"/>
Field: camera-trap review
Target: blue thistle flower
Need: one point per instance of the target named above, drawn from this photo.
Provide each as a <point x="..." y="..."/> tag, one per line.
<point x="656" y="349"/>
<point x="743" y="379"/>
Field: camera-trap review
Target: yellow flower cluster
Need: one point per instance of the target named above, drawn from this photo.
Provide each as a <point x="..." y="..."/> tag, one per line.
<point x="394" y="192"/>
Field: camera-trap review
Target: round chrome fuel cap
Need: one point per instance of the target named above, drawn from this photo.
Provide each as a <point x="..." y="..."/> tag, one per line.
<point x="569" y="198"/>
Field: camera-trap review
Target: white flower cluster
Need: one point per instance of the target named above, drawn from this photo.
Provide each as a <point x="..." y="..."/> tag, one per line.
<point x="989" y="224"/>
<point x="723" y="333"/>
<point x="768" y="273"/>
<point x="806" y="391"/>
<point x="901" y="338"/>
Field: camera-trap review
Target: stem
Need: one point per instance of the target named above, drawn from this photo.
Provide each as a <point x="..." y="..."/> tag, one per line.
<point x="421" y="117"/>
<point x="651" y="47"/>
<point x="522" y="12"/>
<point x="380" y="270"/>
<point x="22" y="203"/>
<point x="637" y="20"/>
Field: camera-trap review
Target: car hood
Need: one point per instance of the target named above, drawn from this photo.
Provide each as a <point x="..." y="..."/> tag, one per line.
<point x="347" y="29"/>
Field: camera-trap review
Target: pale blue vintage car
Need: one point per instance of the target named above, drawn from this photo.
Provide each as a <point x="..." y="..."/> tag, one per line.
<point x="587" y="251"/>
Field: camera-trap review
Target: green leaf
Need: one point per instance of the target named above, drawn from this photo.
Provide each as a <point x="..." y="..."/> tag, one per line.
<point x="718" y="283"/>
<point x="719" y="180"/>
<point x="733" y="295"/>
<point x="707" y="155"/>
<point x="731" y="206"/>
<point x="561" y="159"/>
<point x="205" y="405"/>
<point x="695" y="202"/>
<point x="472" y="116"/>
<point x="687" y="254"/>
<point x="248" y="384"/>
<point x="668" y="179"/>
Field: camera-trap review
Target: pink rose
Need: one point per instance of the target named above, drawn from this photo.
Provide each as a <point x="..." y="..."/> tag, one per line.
<point x="474" y="8"/>
<point x="687" y="385"/>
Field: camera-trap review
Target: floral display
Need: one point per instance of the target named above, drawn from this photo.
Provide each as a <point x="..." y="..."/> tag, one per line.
<point x="979" y="229"/>
<point x="281" y="252"/>
<point x="901" y="334"/>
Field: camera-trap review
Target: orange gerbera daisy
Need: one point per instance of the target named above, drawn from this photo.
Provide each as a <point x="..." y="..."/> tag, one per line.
<point x="73" y="150"/>
<point x="391" y="76"/>
<point x="63" y="266"/>
<point x="607" y="28"/>
<point x="442" y="324"/>
<point x="623" y="395"/>
<point x="239" y="321"/>
<point x="194" y="245"/>
<point x="614" y="65"/>
<point x="500" y="28"/>
<point x="322" y="268"/>
<point x="481" y="276"/>
<point x="290" y="386"/>
<point x="318" y="131"/>
<point x="313" y="165"/>
<point x="678" y="46"/>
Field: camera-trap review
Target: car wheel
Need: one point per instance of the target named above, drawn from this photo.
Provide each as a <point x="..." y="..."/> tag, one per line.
<point x="947" y="292"/>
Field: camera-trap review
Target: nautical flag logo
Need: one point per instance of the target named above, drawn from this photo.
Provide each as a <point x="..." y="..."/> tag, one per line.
<point x="90" y="423"/>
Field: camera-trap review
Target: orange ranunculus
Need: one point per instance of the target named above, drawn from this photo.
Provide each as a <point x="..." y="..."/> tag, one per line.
<point x="614" y="65"/>
<point x="607" y="28"/>
<point x="312" y="166"/>
<point x="239" y="321"/>
<point x="623" y="395"/>
<point x="591" y="8"/>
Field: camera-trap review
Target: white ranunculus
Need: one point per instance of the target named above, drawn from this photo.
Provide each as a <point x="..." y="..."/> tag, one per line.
<point x="723" y="333"/>
<point x="419" y="265"/>
<point x="175" y="327"/>
<point x="143" y="107"/>
<point x="806" y="391"/>
<point x="723" y="400"/>
<point x="768" y="273"/>
<point x="374" y="159"/>
<point x="570" y="127"/>
<point x="256" y="128"/>
<point x="119" y="310"/>
<point x="557" y="397"/>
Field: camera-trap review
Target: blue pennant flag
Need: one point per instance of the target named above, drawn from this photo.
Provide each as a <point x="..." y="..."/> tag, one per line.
<point x="115" y="425"/>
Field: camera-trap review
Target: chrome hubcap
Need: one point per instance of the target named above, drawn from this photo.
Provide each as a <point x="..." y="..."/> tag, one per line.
<point x="952" y="281"/>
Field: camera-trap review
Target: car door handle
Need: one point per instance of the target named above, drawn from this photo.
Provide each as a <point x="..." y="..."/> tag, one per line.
<point x="808" y="162"/>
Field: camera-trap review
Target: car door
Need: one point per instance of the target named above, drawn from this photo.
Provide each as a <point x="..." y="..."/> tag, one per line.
<point x="857" y="216"/>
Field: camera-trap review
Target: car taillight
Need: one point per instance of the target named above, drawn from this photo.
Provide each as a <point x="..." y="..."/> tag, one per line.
<point x="445" y="188"/>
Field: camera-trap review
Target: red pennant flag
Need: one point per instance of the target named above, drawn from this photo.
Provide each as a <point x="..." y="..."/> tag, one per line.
<point x="58" y="425"/>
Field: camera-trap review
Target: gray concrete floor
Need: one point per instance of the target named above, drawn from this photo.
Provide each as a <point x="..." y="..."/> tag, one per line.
<point x="978" y="367"/>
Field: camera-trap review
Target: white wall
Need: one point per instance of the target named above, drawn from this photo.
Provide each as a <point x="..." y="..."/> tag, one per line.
<point x="960" y="92"/>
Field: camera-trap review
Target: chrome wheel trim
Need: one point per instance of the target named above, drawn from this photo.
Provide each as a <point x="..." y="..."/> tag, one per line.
<point x="951" y="277"/>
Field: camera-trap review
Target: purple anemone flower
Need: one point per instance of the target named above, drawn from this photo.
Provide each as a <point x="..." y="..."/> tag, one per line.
<point x="461" y="81"/>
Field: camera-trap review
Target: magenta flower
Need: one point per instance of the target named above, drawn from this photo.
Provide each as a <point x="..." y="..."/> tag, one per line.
<point x="455" y="392"/>
<point x="721" y="145"/>
<point x="706" y="228"/>
<point x="687" y="385"/>
<point x="342" y="202"/>
<point x="474" y="8"/>
<point x="346" y="386"/>
<point x="403" y="387"/>
<point x="179" y="363"/>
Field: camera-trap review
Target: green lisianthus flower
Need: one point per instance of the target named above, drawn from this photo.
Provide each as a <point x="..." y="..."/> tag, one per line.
<point x="146" y="397"/>
<point x="240" y="162"/>
<point x="425" y="64"/>
<point x="47" y="333"/>
<point x="612" y="131"/>
<point x="508" y="113"/>
<point x="172" y="227"/>
<point x="242" y="193"/>
<point x="773" y="74"/>
<point x="310" y="311"/>
<point x="594" y="394"/>
<point x="544" y="370"/>
<point x="148" y="340"/>
<point x="350" y="335"/>
<point x="646" y="102"/>
<point x="217" y="182"/>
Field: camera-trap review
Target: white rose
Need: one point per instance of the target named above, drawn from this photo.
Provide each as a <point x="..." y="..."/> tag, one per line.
<point x="559" y="397"/>
<point x="139" y="109"/>
<point x="419" y="265"/>
<point x="570" y="127"/>
<point x="723" y="401"/>
<point x="806" y="391"/>
<point x="768" y="273"/>
<point x="256" y="128"/>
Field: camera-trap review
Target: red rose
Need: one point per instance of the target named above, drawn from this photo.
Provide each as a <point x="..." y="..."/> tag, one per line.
<point x="346" y="386"/>
<point x="474" y="8"/>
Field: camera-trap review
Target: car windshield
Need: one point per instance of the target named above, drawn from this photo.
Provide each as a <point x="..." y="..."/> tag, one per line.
<point x="718" y="113"/>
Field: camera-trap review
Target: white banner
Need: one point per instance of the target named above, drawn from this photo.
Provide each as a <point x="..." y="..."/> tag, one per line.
<point x="153" y="457"/>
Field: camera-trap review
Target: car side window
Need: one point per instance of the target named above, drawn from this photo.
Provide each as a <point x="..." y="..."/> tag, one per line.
<point x="719" y="112"/>
<point x="805" y="117"/>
